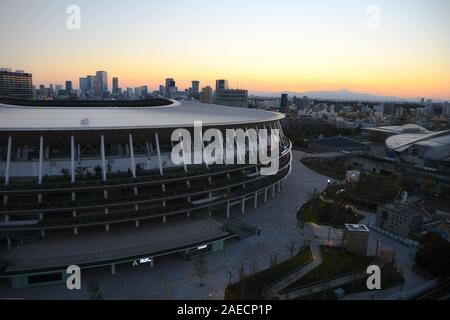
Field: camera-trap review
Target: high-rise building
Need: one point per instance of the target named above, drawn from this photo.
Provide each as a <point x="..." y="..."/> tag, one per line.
<point x="84" y="85"/>
<point x="162" y="90"/>
<point x="195" y="89"/>
<point x="16" y="84"/>
<point x="446" y="108"/>
<point x="115" y="85"/>
<point x="206" y="95"/>
<point x="232" y="98"/>
<point x="305" y="103"/>
<point x="69" y="87"/>
<point x="170" y="88"/>
<point x="42" y="91"/>
<point x="101" y="82"/>
<point x="91" y="83"/>
<point x="141" y="92"/>
<point x="284" y="102"/>
<point x="221" y="85"/>
<point x="51" y="90"/>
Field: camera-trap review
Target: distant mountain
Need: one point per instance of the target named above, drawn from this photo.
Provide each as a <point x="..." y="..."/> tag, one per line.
<point x="343" y="94"/>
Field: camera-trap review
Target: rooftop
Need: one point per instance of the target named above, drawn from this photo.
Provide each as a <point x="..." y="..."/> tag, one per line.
<point x="401" y="142"/>
<point x="174" y="115"/>
<point x="357" y="228"/>
<point x="408" y="128"/>
<point x="91" y="247"/>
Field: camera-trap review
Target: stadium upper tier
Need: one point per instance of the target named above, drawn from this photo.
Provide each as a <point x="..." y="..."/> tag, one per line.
<point x="174" y="115"/>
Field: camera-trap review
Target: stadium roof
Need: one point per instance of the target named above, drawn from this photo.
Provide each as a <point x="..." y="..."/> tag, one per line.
<point x="401" y="142"/>
<point x="405" y="129"/>
<point x="176" y="115"/>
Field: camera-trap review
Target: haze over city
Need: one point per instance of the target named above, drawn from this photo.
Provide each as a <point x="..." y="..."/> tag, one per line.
<point x="263" y="46"/>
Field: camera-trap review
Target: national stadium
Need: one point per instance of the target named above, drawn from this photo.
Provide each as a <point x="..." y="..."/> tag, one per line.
<point x="93" y="184"/>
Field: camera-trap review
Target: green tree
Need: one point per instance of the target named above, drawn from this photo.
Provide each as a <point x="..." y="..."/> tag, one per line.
<point x="434" y="255"/>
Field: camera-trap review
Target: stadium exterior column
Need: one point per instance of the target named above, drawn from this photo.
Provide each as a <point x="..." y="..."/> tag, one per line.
<point x="158" y="150"/>
<point x="41" y="158"/>
<point x="8" y="160"/>
<point x="102" y="147"/>
<point x="72" y="158"/>
<point x="133" y="166"/>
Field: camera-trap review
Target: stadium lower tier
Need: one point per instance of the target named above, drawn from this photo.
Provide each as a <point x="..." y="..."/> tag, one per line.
<point x="29" y="213"/>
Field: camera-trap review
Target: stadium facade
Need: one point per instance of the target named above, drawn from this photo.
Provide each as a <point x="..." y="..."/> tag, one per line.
<point x="80" y="182"/>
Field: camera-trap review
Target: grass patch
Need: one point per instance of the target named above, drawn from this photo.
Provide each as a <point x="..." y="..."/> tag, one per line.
<point x="251" y="288"/>
<point x="330" y="214"/>
<point x="335" y="262"/>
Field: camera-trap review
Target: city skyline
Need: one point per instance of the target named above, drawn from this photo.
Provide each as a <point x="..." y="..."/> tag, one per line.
<point x="272" y="47"/>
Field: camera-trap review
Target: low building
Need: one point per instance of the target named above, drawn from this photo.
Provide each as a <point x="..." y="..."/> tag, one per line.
<point x="356" y="237"/>
<point x="399" y="219"/>
<point x="232" y="98"/>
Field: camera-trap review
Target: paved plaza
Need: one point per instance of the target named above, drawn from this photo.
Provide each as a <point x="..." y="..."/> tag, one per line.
<point x="173" y="278"/>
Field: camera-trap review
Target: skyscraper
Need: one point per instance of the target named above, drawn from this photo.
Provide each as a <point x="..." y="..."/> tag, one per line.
<point x="42" y="91"/>
<point x="101" y="82"/>
<point x="16" y="84"/>
<point x="91" y="83"/>
<point x="84" y="85"/>
<point x="206" y="96"/>
<point x="195" y="89"/>
<point x="69" y="87"/>
<point x="284" y="102"/>
<point x="170" y="88"/>
<point x="115" y="85"/>
<point x="221" y="85"/>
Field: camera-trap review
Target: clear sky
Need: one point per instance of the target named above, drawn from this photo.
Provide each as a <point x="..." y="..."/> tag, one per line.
<point x="264" y="45"/>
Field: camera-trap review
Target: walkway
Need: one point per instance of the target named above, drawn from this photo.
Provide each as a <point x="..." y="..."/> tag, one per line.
<point x="317" y="260"/>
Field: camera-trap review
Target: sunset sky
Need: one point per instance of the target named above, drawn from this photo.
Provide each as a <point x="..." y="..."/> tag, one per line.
<point x="273" y="46"/>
